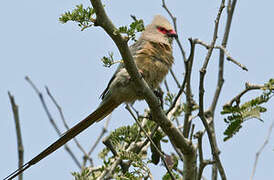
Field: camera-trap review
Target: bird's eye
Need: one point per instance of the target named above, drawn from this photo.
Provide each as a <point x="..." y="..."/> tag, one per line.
<point x="162" y="30"/>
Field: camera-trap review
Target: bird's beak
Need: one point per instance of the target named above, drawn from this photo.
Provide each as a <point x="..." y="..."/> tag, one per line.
<point x="172" y="33"/>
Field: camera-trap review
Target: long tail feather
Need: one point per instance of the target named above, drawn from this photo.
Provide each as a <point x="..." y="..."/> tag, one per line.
<point x="102" y="111"/>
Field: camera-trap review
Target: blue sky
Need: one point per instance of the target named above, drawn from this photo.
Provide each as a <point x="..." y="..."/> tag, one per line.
<point x="67" y="60"/>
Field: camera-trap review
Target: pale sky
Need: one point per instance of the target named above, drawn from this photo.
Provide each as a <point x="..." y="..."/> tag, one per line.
<point x="34" y="43"/>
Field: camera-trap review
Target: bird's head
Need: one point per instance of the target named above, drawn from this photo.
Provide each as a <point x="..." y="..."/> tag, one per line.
<point x="160" y="30"/>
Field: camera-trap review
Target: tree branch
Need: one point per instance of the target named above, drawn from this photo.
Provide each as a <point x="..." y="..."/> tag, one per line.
<point x="203" y="163"/>
<point x="20" y="147"/>
<point x="66" y="125"/>
<point x="210" y="129"/>
<point x="210" y="132"/>
<point x="175" y="28"/>
<point x="261" y="149"/>
<point x="220" y="81"/>
<point x="225" y="51"/>
<point x="104" y="130"/>
<point x="189" y="96"/>
<point x="248" y="87"/>
<point x="52" y="120"/>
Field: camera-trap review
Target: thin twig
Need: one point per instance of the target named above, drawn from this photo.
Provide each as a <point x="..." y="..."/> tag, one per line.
<point x="220" y="81"/>
<point x="177" y="97"/>
<point x="230" y="58"/>
<point x="188" y="93"/>
<point x="215" y="35"/>
<point x="248" y="87"/>
<point x="166" y="86"/>
<point x="191" y="132"/>
<point x="187" y="74"/>
<point x="20" y="147"/>
<point x="110" y="146"/>
<point x="210" y="131"/>
<point x="203" y="163"/>
<point x="175" y="78"/>
<point x="224" y="50"/>
<point x="52" y="120"/>
<point x="104" y="130"/>
<point x="175" y="27"/>
<point x="214" y="149"/>
<point x="66" y="125"/>
<point x="261" y="149"/>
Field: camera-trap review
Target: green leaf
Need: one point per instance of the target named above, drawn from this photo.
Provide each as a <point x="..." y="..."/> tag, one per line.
<point x="253" y="108"/>
<point x="135" y="27"/>
<point x="83" y="16"/>
<point x="232" y="129"/>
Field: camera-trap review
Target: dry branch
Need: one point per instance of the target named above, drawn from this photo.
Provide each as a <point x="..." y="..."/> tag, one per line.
<point x="67" y="148"/>
<point x="261" y="149"/>
<point x="86" y="156"/>
<point x="20" y="147"/>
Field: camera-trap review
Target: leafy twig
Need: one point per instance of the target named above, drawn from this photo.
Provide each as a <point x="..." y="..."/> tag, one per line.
<point x="248" y="87"/>
<point x="238" y="113"/>
<point x="162" y="155"/>
<point x="83" y="16"/>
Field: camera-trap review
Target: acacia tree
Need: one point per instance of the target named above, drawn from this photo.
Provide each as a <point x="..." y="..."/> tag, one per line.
<point x="169" y="119"/>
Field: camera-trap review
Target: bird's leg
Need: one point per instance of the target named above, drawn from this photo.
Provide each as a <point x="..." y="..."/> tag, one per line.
<point x="159" y="93"/>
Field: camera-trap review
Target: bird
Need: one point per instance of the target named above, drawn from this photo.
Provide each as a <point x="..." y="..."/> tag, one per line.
<point x="153" y="56"/>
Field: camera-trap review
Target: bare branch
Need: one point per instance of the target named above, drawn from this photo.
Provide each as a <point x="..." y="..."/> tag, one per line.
<point x="248" y="87"/>
<point x="20" y="147"/>
<point x="175" y="27"/>
<point x="52" y="120"/>
<point x="230" y="58"/>
<point x="210" y="132"/>
<point x="215" y="35"/>
<point x="166" y="85"/>
<point x="220" y="81"/>
<point x="203" y="163"/>
<point x="66" y="125"/>
<point x="169" y="116"/>
<point x="209" y="129"/>
<point x="177" y="96"/>
<point x="104" y="130"/>
<point x="261" y="149"/>
<point x="225" y="51"/>
<point x="191" y="132"/>
<point x="175" y="78"/>
<point x="187" y="76"/>
<point x="189" y="96"/>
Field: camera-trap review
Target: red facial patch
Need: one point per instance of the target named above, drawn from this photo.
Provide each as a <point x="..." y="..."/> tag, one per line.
<point x="162" y="30"/>
<point x="165" y="31"/>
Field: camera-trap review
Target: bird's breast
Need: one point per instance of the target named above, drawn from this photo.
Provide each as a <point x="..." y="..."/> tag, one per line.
<point x="154" y="61"/>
